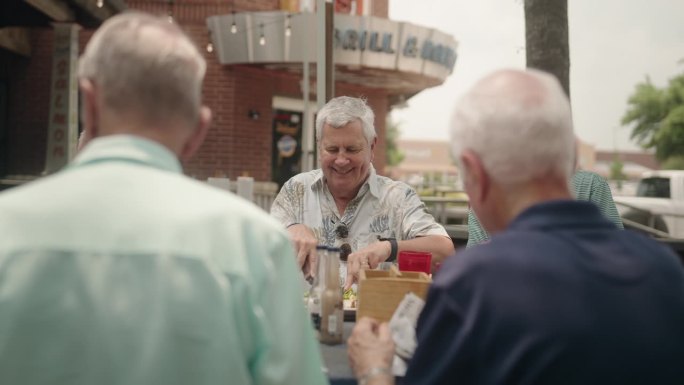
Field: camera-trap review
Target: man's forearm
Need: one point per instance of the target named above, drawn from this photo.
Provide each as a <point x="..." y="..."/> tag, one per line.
<point x="440" y="246"/>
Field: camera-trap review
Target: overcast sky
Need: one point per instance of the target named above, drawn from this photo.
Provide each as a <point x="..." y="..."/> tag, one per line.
<point x="613" y="45"/>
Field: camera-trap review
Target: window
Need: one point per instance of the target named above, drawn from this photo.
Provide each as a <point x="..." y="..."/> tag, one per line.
<point x="656" y="187"/>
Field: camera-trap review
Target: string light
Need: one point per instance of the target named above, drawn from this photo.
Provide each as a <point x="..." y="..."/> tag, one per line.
<point x="100" y="3"/>
<point x="288" y="30"/>
<point x="262" y="38"/>
<point x="170" y="11"/>
<point x="210" y="45"/>
<point x="233" y="27"/>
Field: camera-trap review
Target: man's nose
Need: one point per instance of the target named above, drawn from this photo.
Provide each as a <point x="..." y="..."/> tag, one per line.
<point x="341" y="158"/>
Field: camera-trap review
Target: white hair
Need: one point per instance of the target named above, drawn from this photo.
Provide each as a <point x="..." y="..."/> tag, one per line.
<point x="520" y="125"/>
<point x="144" y="65"/>
<point x="342" y="110"/>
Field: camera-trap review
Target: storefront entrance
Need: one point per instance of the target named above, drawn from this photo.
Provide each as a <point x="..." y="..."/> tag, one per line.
<point x="287" y="145"/>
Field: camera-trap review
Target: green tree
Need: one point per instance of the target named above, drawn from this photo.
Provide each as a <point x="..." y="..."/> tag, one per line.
<point x="675" y="162"/>
<point x="657" y="117"/>
<point x="616" y="171"/>
<point x="392" y="154"/>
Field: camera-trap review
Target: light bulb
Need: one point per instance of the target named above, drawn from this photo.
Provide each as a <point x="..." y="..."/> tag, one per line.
<point x="233" y="28"/>
<point x="262" y="40"/>
<point x="210" y="47"/>
<point x="100" y="3"/>
<point x="288" y="31"/>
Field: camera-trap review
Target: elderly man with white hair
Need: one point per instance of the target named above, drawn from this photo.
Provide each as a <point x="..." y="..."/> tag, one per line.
<point x="347" y="204"/>
<point x="120" y="269"/>
<point x="559" y="295"/>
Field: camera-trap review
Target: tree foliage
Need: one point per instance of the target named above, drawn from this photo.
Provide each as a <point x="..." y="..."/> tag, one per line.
<point x="657" y="117"/>
<point x="616" y="170"/>
<point x="675" y="162"/>
<point x="392" y="153"/>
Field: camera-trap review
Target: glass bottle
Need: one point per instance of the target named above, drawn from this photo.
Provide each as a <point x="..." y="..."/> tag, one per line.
<point x="317" y="288"/>
<point x="332" y="312"/>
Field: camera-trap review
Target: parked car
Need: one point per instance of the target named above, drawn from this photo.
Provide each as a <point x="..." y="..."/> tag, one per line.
<point x="658" y="204"/>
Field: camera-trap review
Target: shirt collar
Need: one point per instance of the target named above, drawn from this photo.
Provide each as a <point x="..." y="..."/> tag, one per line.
<point x="128" y="148"/>
<point x="371" y="181"/>
<point x="559" y="213"/>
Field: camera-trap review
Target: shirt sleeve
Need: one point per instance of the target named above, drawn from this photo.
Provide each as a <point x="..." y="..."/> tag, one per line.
<point x="442" y="353"/>
<point x="285" y="326"/>
<point x="601" y="196"/>
<point x="288" y="206"/>
<point x="415" y="219"/>
<point x="476" y="234"/>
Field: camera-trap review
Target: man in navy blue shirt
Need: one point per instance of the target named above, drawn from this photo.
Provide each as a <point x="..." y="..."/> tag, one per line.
<point x="559" y="295"/>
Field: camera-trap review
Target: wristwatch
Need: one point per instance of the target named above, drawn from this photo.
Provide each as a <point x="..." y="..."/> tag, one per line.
<point x="393" y="253"/>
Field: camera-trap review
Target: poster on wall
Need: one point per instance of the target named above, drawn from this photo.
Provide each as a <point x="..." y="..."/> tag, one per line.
<point x="287" y="145"/>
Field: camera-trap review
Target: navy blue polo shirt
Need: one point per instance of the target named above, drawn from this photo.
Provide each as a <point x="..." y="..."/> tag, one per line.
<point x="561" y="297"/>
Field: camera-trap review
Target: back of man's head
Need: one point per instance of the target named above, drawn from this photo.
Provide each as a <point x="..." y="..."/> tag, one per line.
<point x="145" y="68"/>
<point x="520" y="125"/>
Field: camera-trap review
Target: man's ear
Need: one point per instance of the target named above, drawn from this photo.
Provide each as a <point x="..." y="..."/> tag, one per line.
<point x="372" y="148"/>
<point x="193" y="143"/>
<point x="476" y="178"/>
<point x="90" y="110"/>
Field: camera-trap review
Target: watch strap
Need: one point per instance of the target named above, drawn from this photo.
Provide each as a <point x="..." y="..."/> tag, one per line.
<point x="394" y="249"/>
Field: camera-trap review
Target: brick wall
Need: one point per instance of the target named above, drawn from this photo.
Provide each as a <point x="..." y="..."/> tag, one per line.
<point x="235" y="145"/>
<point x="379" y="8"/>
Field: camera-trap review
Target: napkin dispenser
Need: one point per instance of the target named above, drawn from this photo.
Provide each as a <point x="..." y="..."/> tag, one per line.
<point x="380" y="292"/>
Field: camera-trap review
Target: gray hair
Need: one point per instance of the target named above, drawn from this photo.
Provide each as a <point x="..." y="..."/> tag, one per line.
<point x="343" y="110"/>
<point x="520" y="125"/>
<point x="144" y="65"/>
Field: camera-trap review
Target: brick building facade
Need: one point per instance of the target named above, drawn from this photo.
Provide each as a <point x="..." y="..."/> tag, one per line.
<point x="241" y="96"/>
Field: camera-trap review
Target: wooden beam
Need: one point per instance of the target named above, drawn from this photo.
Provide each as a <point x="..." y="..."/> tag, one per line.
<point x="58" y="10"/>
<point x="16" y="39"/>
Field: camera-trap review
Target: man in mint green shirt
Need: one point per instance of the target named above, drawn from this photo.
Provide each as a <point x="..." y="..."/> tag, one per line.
<point x="119" y="269"/>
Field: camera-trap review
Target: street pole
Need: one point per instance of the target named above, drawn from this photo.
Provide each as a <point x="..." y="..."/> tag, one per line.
<point x="324" y="59"/>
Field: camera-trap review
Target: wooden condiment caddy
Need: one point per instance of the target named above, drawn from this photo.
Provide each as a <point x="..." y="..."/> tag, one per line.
<point x="380" y="292"/>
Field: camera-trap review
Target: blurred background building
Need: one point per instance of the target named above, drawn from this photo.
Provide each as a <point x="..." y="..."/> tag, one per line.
<point x="258" y="55"/>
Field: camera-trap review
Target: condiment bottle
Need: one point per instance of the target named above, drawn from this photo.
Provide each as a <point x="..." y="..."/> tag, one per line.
<point x="317" y="288"/>
<point x="332" y="312"/>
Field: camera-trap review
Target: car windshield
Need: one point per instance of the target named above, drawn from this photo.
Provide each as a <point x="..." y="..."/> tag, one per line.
<point x="656" y="187"/>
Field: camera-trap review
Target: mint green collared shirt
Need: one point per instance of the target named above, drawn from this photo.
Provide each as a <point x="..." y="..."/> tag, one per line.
<point x="120" y="270"/>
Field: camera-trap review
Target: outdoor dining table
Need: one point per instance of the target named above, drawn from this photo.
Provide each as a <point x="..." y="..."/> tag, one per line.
<point x="337" y="363"/>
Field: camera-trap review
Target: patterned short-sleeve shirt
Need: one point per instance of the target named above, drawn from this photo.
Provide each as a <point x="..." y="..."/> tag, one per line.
<point x="383" y="208"/>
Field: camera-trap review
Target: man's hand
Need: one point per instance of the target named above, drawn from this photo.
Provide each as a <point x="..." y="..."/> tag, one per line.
<point x="368" y="257"/>
<point x="370" y="346"/>
<point x="304" y="242"/>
